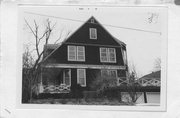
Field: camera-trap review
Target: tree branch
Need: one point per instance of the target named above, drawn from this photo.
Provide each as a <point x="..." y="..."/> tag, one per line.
<point x="29" y="27"/>
<point x="36" y="38"/>
<point x="60" y="36"/>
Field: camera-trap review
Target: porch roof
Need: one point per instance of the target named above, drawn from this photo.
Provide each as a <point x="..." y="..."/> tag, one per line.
<point x="84" y="66"/>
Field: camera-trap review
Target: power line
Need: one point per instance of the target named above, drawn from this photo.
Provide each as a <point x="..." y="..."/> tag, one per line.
<point x="94" y="23"/>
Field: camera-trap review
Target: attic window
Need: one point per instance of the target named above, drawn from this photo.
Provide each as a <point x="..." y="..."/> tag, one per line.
<point x="93" y="33"/>
<point x="92" y="20"/>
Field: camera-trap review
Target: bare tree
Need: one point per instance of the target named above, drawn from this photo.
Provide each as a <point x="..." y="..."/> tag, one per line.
<point x="40" y="39"/>
<point x="133" y="84"/>
<point x="44" y="38"/>
<point x="157" y="64"/>
<point x="28" y="60"/>
<point x="132" y="70"/>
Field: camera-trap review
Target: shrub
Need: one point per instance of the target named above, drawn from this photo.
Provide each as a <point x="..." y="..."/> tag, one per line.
<point x="103" y="85"/>
<point x="90" y="94"/>
<point x="103" y="82"/>
<point x="112" y="93"/>
<point x="76" y="91"/>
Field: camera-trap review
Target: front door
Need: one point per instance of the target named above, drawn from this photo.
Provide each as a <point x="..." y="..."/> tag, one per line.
<point x="81" y="77"/>
<point x="67" y="77"/>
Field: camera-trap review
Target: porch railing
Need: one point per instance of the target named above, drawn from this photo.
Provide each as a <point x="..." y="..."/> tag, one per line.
<point x="122" y="80"/>
<point x="55" y="88"/>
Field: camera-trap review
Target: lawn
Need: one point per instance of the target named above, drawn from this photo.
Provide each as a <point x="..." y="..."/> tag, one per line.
<point x="91" y="101"/>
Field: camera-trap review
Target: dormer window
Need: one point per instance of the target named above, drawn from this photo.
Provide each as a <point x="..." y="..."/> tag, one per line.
<point x="92" y="33"/>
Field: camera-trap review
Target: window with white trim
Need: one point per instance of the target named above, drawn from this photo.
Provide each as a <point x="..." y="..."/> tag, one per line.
<point x="67" y="77"/>
<point x="81" y="77"/>
<point x="124" y="56"/>
<point x="104" y="54"/>
<point x="104" y="73"/>
<point x="93" y="33"/>
<point x="80" y="53"/>
<point x="76" y="53"/>
<point x="108" y="55"/>
<point x="108" y="72"/>
<point x="92" y="20"/>
<point x="113" y="73"/>
<point x="112" y="55"/>
<point x="72" y="53"/>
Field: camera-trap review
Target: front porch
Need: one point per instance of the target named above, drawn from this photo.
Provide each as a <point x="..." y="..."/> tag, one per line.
<point x="54" y="80"/>
<point x="62" y="88"/>
<point x="57" y="80"/>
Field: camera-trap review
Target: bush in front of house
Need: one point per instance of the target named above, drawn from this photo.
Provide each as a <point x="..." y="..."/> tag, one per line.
<point x="76" y="91"/>
<point x="102" y="85"/>
<point x="112" y="93"/>
<point x="103" y="82"/>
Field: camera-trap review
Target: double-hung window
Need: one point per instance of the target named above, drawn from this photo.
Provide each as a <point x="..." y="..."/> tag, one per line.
<point x="92" y="33"/>
<point x="111" y="73"/>
<point x="124" y="56"/>
<point x="81" y="77"/>
<point x="112" y="55"/>
<point x="104" y="54"/>
<point x="72" y="53"/>
<point x="76" y="53"/>
<point x="108" y="55"/>
<point x="80" y="53"/>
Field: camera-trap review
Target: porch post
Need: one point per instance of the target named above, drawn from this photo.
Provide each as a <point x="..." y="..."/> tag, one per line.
<point x="145" y="97"/>
<point x="41" y="89"/>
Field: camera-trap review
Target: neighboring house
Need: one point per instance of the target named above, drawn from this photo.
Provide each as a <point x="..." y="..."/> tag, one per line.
<point x="89" y="51"/>
<point x="152" y="79"/>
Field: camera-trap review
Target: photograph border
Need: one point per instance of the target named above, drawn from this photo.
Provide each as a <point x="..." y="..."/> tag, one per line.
<point x="164" y="57"/>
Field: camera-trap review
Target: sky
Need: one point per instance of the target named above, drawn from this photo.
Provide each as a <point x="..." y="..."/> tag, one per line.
<point x="142" y="47"/>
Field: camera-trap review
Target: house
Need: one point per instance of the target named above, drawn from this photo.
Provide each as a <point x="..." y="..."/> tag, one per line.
<point x="152" y="79"/>
<point x="150" y="88"/>
<point x="89" y="51"/>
